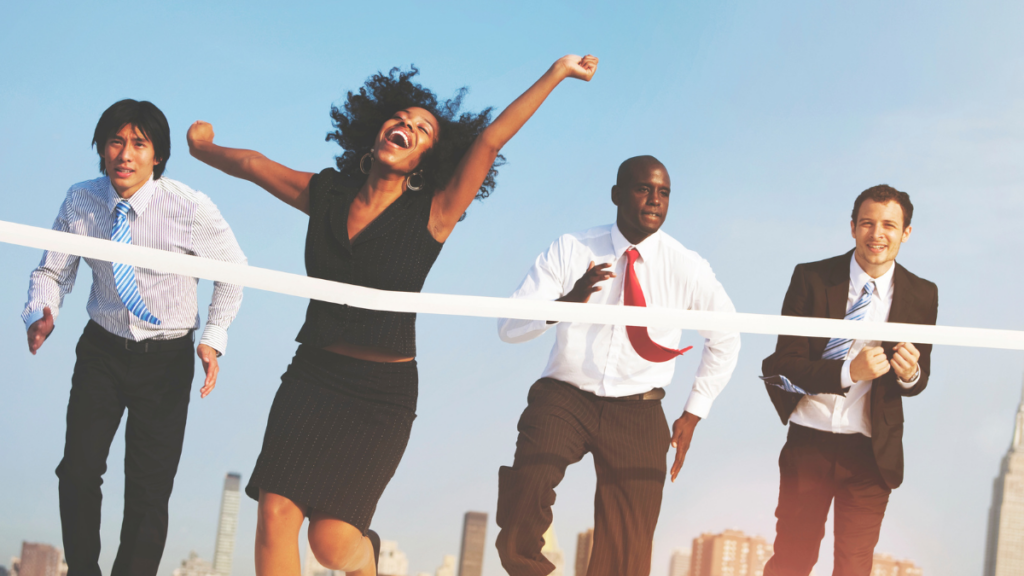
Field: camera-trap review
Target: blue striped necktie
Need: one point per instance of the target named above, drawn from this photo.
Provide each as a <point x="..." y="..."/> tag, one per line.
<point x="837" y="348"/>
<point x="124" y="274"/>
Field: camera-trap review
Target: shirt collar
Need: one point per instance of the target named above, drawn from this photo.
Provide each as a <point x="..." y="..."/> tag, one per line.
<point x="647" y="248"/>
<point x="138" y="202"/>
<point x="858" y="278"/>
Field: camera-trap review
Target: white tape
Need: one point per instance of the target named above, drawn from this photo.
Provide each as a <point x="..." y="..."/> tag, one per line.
<point x="361" y="297"/>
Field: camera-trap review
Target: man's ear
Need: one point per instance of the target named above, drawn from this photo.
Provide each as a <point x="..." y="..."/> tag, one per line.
<point x="853" y="229"/>
<point x="906" y="234"/>
<point x="615" y="194"/>
<point x="157" y="161"/>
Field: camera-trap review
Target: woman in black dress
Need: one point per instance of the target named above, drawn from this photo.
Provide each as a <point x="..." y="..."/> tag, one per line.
<point x="341" y="419"/>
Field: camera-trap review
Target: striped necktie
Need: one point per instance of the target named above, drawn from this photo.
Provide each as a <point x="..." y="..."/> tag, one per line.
<point x="124" y="274"/>
<point x="836" y="349"/>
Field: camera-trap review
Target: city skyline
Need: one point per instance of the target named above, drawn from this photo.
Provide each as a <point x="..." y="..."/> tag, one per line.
<point x="474" y="541"/>
<point x="227" y="524"/>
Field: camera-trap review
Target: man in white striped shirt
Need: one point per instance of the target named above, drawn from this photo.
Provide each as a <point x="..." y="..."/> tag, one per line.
<point x="136" y="350"/>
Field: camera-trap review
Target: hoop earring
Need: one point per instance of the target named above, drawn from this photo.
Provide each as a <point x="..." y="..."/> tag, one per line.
<point x="362" y="162"/>
<point x="415" y="187"/>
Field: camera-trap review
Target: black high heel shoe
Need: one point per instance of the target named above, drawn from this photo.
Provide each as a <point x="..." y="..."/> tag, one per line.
<point x="375" y="542"/>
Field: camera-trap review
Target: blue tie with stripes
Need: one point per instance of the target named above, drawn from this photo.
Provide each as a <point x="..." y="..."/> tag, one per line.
<point x="837" y="348"/>
<point x="124" y="274"/>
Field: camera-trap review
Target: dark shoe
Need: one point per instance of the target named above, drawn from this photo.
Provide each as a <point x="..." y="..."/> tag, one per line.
<point x="375" y="542"/>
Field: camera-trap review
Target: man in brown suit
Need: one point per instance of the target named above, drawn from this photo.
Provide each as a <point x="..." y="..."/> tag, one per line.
<point x="843" y="399"/>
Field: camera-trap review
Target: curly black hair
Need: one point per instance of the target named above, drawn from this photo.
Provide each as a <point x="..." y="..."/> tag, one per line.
<point x="358" y="122"/>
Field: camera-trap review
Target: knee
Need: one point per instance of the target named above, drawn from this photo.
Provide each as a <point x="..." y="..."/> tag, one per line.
<point x="277" y="517"/>
<point x="339" y="546"/>
<point x="79" y="473"/>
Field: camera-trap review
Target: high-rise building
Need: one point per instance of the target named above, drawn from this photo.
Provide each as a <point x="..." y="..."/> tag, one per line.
<point x="474" y="536"/>
<point x="885" y="565"/>
<point x="584" y="546"/>
<point x="552" y="552"/>
<point x="1004" y="552"/>
<point x="392" y="560"/>
<point x="679" y="562"/>
<point x="227" y="525"/>
<point x="39" y="560"/>
<point x="194" y="566"/>
<point x="447" y="567"/>
<point x="731" y="553"/>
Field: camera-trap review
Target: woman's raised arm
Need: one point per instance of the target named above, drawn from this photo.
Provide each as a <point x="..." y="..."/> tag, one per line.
<point x="290" y="186"/>
<point x="451" y="202"/>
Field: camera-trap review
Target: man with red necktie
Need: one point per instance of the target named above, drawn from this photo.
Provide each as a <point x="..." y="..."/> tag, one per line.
<point x="601" y="390"/>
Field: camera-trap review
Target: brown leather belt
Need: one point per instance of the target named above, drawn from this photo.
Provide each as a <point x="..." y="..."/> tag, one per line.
<point x="652" y="394"/>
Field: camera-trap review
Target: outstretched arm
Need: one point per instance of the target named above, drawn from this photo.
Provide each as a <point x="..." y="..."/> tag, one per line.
<point x="290" y="186"/>
<point x="451" y="201"/>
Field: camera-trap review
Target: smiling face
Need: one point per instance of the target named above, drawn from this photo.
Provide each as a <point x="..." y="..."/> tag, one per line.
<point x="641" y="194"/>
<point x="129" y="159"/>
<point x="879" y="232"/>
<point x="404" y="139"/>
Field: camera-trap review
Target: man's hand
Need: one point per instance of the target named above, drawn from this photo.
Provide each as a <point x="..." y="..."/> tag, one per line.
<point x="40" y="330"/>
<point x="587" y="284"/>
<point x="869" y="364"/>
<point x="904" y="361"/>
<point x="575" y="67"/>
<point x="682" y="434"/>
<point x="199" y="132"/>
<point x="209" y="357"/>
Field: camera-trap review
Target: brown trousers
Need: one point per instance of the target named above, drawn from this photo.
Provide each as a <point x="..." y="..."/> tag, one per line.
<point x="629" y="440"/>
<point x="817" y="467"/>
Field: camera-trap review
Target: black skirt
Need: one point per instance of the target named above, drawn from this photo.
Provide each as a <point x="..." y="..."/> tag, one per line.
<point x="337" y="430"/>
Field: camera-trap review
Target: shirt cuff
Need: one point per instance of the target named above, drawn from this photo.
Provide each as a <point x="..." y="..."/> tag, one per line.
<point x="33" y="317"/>
<point x="698" y="404"/>
<point x="913" y="381"/>
<point x="845" y="379"/>
<point x="215" y="337"/>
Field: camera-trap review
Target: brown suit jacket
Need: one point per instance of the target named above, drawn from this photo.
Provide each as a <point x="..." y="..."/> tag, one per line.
<point x="820" y="290"/>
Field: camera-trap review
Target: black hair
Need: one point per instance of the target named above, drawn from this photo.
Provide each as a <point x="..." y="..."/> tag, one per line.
<point x="145" y="117"/>
<point x="884" y="193"/>
<point x="357" y="124"/>
<point x="626" y="168"/>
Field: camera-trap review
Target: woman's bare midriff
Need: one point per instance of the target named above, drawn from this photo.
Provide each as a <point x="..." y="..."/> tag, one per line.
<point x="370" y="353"/>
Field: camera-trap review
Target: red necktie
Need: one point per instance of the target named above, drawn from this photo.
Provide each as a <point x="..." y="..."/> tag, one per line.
<point x="633" y="296"/>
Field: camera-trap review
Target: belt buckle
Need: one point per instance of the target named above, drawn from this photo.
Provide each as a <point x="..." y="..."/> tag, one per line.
<point x="132" y="346"/>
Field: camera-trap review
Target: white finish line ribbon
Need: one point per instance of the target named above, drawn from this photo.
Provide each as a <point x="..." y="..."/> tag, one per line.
<point x="362" y="297"/>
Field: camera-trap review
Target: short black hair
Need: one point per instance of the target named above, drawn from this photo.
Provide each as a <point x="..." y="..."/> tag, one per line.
<point x="145" y="117"/>
<point x="884" y="193"/>
<point x="628" y="164"/>
<point x="357" y="123"/>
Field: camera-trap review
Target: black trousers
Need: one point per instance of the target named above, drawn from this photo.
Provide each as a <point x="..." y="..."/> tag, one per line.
<point x="154" y="386"/>
<point x="629" y="440"/>
<point x="817" y="467"/>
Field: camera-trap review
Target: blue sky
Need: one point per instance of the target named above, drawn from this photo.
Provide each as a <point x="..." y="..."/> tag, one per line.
<point x="770" y="116"/>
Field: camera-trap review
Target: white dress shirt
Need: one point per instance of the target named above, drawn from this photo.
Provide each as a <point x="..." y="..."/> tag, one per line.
<point x="166" y="215"/>
<point x="598" y="358"/>
<point x="851" y="414"/>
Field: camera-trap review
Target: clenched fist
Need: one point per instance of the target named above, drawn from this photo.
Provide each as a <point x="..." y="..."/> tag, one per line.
<point x="869" y="364"/>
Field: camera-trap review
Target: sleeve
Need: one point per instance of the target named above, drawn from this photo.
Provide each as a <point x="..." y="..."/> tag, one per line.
<point x="544" y="281"/>
<point x="721" y="349"/>
<point x="792" y="353"/>
<point x="213" y="238"/>
<point x="54" y="277"/>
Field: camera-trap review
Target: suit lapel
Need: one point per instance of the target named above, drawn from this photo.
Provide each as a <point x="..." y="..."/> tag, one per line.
<point x="837" y="293"/>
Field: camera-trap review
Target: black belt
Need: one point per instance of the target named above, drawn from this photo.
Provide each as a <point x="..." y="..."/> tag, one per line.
<point x="94" y="330"/>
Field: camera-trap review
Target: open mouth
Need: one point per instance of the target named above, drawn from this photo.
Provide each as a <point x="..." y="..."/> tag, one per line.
<point x="123" y="172"/>
<point x="399" y="138"/>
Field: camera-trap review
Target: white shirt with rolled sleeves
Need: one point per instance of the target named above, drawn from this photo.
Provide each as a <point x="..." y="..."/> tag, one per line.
<point x="165" y="214"/>
<point x="851" y="414"/>
<point x="598" y="358"/>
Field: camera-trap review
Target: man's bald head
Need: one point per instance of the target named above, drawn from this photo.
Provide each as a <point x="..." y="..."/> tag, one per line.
<point x="637" y="164"/>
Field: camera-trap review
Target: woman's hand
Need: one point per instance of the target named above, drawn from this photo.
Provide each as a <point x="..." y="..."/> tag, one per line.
<point x="199" y="132"/>
<point x="575" y="67"/>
